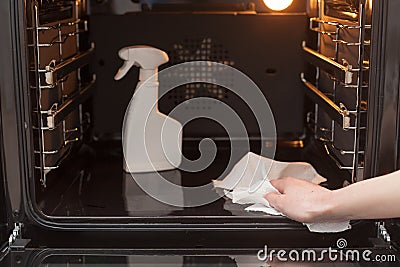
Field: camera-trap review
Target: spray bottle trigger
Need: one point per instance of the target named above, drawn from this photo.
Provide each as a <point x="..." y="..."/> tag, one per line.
<point x="123" y="70"/>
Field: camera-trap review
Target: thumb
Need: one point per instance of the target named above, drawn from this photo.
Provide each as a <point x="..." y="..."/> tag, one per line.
<point x="275" y="200"/>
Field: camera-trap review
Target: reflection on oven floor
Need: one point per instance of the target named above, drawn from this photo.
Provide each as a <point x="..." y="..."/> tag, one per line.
<point x="94" y="184"/>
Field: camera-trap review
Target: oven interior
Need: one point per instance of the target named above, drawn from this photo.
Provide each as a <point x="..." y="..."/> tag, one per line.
<point x="310" y="62"/>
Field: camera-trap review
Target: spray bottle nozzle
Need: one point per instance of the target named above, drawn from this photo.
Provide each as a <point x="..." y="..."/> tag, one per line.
<point x="146" y="57"/>
<point x="123" y="70"/>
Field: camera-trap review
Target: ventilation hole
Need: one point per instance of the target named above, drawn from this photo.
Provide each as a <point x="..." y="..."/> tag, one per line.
<point x="193" y="49"/>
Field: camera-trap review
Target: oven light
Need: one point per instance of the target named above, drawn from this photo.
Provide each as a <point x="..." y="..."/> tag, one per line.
<point x="278" y="5"/>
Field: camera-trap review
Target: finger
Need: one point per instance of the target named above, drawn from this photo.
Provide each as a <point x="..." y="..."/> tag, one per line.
<point x="275" y="200"/>
<point x="280" y="184"/>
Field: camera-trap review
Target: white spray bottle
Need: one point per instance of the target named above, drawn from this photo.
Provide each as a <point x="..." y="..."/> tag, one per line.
<point x="152" y="141"/>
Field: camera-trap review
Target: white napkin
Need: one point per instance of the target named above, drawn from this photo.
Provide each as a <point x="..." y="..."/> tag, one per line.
<point x="249" y="182"/>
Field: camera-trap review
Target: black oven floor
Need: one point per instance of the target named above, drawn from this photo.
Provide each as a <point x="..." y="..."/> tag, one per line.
<point x="93" y="183"/>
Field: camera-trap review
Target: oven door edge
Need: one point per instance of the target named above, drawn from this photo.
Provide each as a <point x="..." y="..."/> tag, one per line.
<point x="6" y="220"/>
<point x="10" y="125"/>
<point x="15" y="117"/>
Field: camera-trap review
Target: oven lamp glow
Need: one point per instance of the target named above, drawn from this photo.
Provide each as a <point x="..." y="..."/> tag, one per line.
<point x="278" y="5"/>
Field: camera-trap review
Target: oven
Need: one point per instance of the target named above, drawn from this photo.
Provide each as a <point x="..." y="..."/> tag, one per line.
<point x="329" y="70"/>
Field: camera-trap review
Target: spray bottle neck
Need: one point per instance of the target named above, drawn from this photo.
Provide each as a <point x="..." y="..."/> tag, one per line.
<point x="147" y="90"/>
<point x="150" y="75"/>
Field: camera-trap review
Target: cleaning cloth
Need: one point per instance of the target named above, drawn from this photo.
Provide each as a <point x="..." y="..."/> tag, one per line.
<point x="249" y="182"/>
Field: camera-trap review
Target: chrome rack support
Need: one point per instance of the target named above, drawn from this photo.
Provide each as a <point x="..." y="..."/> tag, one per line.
<point x="340" y="114"/>
<point x="55" y="73"/>
<point x="345" y="77"/>
<point x="341" y="72"/>
<point x="54" y="77"/>
<point x="58" y="114"/>
<point x="357" y="132"/>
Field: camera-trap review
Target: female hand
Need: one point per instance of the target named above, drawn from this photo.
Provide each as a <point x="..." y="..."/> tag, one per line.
<point x="301" y="200"/>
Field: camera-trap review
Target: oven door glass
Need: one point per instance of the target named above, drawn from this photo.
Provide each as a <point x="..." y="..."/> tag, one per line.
<point x="342" y="9"/>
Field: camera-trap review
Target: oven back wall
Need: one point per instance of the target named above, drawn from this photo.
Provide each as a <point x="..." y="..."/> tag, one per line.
<point x="266" y="47"/>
